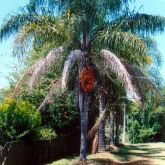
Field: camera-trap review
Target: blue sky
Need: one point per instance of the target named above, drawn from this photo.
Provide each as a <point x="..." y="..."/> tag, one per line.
<point x="8" y="62"/>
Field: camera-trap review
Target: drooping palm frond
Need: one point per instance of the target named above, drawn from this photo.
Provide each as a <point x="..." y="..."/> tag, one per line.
<point x="50" y="95"/>
<point x="21" y="43"/>
<point x="113" y="62"/>
<point x="23" y="79"/>
<point x="37" y="69"/>
<point x="142" y="81"/>
<point x="74" y="56"/>
<point x="135" y="81"/>
<point x="45" y="64"/>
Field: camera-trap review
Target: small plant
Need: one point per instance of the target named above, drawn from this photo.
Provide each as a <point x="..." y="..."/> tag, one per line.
<point x="46" y="133"/>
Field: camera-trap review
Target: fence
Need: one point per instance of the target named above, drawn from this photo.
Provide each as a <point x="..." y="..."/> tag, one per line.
<point x="39" y="152"/>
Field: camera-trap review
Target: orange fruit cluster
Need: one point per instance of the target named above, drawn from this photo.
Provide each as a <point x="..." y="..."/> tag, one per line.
<point x="87" y="79"/>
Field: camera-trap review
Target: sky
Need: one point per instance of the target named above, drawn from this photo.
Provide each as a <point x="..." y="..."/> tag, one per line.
<point x="8" y="63"/>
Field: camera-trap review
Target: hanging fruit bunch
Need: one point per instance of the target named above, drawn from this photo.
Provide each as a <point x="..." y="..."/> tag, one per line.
<point x="87" y="79"/>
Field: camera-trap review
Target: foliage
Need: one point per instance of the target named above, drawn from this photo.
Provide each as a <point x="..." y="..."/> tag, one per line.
<point x="145" y="126"/>
<point x="146" y="135"/>
<point x="17" y="119"/>
<point x="46" y="133"/>
<point x="61" y="114"/>
<point x="20" y="120"/>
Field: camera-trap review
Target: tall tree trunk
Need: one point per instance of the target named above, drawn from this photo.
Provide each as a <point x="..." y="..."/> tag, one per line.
<point x="84" y="99"/>
<point x="124" y="123"/>
<point x="112" y="125"/>
<point x="101" y="146"/>
<point x="84" y="108"/>
<point x="117" y="127"/>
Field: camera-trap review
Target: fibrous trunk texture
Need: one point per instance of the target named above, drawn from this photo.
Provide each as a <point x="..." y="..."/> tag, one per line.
<point x="124" y="123"/>
<point x="117" y="127"/>
<point x="101" y="144"/>
<point x="112" y="142"/>
<point x="84" y="108"/>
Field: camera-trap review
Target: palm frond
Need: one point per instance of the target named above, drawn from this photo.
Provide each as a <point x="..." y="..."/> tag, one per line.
<point x="113" y="5"/>
<point x="153" y="50"/>
<point x="143" y="23"/>
<point x="74" y="56"/>
<point x="43" y="29"/>
<point x="21" y="43"/>
<point x="121" y="42"/>
<point x="23" y="79"/>
<point x="14" y="24"/>
<point x="37" y="69"/>
<point x="50" y="95"/>
<point x="141" y="78"/>
<point x="113" y="62"/>
<point x="45" y="64"/>
<point x="138" y="23"/>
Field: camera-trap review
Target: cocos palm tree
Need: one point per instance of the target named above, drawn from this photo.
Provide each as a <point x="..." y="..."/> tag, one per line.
<point x="97" y="32"/>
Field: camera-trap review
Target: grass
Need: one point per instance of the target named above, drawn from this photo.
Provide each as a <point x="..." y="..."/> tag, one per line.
<point x="137" y="154"/>
<point x="65" y="161"/>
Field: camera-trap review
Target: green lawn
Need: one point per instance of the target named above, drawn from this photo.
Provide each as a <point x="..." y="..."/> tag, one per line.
<point x="137" y="154"/>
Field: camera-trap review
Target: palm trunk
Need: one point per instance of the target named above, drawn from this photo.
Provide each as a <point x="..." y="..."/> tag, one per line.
<point x="101" y="146"/>
<point x="117" y="127"/>
<point x="84" y="100"/>
<point x="84" y="108"/>
<point x="112" y="142"/>
<point x="124" y="123"/>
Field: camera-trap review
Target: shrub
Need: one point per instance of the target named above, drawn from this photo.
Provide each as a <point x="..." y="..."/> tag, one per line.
<point x="146" y="135"/>
<point x="146" y="126"/>
<point x="19" y="120"/>
<point x="61" y="114"/>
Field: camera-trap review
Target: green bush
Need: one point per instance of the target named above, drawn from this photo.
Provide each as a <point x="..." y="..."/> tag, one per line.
<point x="146" y="135"/>
<point x="145" y="126"/>
<point x="61" y="114"/>
<point x="20" y="120"/>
